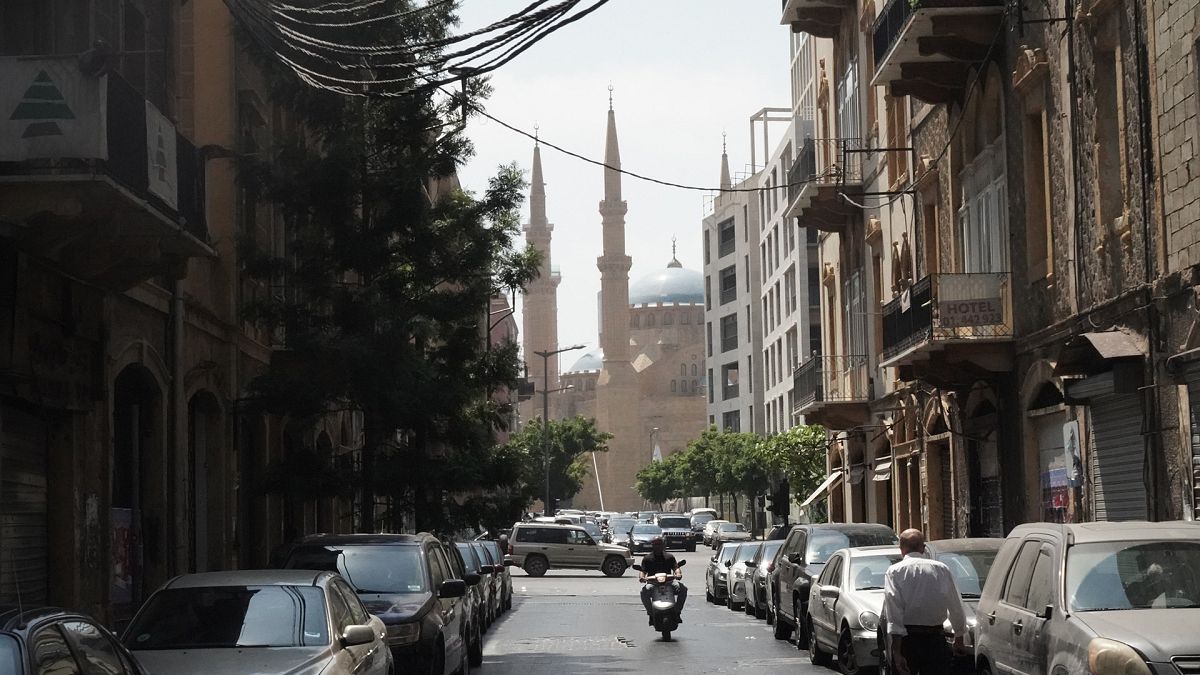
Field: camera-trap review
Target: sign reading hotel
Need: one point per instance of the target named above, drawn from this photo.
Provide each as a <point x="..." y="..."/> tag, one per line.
<point x="970" y="312"/>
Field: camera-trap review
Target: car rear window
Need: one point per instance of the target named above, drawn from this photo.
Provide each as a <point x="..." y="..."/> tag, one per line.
<point x="679" y="523"/>
<point x="702" y="518"/>
<point x="733" y="527"/>
<point x="223" y="617"/>
<point x="823" y="543"/>
<point x="646" y="528"/>
<point x="369" y="569"/>
<point x="746" y="552"/>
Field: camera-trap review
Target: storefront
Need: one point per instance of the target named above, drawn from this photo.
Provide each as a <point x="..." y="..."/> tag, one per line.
<point x="23" y="506"/>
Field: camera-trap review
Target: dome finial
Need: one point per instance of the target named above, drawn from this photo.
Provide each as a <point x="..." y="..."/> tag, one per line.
<point x="674" y="260"/>
<point x="535" y="133"/>
<point x="610" y="91"/>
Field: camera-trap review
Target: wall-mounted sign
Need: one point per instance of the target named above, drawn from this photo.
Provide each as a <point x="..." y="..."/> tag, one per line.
<point x="970" y="312"/>
<point x="1072" y="460"/>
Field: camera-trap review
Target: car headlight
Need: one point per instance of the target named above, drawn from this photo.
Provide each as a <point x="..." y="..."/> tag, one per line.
<point x="868" y="620"/>
<point x="721" y="573"/>
<point x="1109" y="657"/>
<point x="403" y="633"/>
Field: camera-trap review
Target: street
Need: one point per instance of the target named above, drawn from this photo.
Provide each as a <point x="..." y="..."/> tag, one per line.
<point x="583" y="622"/>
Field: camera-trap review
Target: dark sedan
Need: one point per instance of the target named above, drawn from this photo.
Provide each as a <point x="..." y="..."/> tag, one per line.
<point x="51" y="640"/>
<point x="641" y="536"/>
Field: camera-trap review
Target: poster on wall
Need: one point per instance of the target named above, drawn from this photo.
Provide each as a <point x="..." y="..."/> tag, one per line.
<point x="122" y="549"/>
<point x="1072" y="461"/>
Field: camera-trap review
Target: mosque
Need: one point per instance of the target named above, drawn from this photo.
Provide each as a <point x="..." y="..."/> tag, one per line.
<point x="644" y="381"/>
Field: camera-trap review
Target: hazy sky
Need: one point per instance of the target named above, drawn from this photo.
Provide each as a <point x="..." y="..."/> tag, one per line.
<point x="682" y="73"/>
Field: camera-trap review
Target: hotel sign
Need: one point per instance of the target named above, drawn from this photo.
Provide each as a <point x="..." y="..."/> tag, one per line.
<point x="970" y="312"/>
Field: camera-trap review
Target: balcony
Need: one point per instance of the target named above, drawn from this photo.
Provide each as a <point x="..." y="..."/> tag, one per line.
<point x="946" y="318"/>
<point x="821" y="18"/>
<point x="93" y="177"/>
<point x="925" y="48"/>
<point x="833" y="391"/>
<point x="824" y="168"/>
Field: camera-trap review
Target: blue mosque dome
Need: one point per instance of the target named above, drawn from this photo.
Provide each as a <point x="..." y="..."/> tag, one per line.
<point x="593" y="360"/>
<point x="668" y="286"/>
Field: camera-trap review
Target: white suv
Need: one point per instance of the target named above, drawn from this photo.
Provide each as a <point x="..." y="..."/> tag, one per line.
<point x="537" y="547"/>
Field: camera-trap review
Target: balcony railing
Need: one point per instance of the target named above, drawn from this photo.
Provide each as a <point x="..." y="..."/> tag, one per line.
<point x="831" y="379"/>
<point x="889" y="26"/>
<point x="908" y="32"/>
<point x="966" y="307"/>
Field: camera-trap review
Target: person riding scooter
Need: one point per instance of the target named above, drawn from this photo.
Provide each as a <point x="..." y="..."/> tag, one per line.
<point x="659" y="561"/>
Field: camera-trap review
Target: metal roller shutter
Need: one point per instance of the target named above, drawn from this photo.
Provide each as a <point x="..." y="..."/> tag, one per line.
<point x="1117" y="458"/>
<point x="23" y="535"/>
<point x="1192" y="377"/>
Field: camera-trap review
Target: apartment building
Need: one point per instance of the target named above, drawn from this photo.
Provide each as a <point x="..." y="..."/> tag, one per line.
<point x="1007" y="251"/>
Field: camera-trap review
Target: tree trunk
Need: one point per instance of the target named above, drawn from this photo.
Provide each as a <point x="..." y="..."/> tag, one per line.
<point x="737" y="515"/>
<point x="372" y="439"/>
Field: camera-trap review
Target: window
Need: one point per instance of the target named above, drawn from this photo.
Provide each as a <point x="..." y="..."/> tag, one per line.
<point x="51" y="655"/>
<point x="1016" y="590"/>
<point x="579" y="537"/>
<point x="746" y="266"/>
<point x="707" y="292"/>
<point x="897" y="123"/>
<point x="1109" y="139"/>
<point x="726" y="238"/>
<point x="729" y="381"/>
<point x="1039" y="245"/>
<point x="728" y="284"/>
<point x="814" y="287"/>
<point x="226" y="617"/>
<point x="732" y="421"/>
<point x="683" y="370"/>
<point x="710" y="385"/>
<point x="729" y="332"/>
<point x="708" y="336"/>
<point x="929" y="217"/>
<point x="95" y="648"/>
<point x="694" y="370"/>
<point x="1041" y="585"/>
<point x="707" y="248"/>
<point x="358" y="613"/>
<point x="674" y="386"/>
<point x="10" y="653"/>
<point x="389" y="569"/>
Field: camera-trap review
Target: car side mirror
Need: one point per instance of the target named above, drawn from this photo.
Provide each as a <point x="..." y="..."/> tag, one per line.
<point x="509" y="563"/>
<point x="452" y="588"/>
<point x="1047" y="612"/>
<point x="794" y="558"/>
<point x="487" y="569"/>
<point x="472" y="578"/>
<point x="830" y="592"/>
<point x="729" y="563"/>
<point x="357" y="635"/>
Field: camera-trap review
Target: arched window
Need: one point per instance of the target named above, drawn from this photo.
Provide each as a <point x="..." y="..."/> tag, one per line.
<point x="649" y="321"/>
<point x="694" y="370"/>
<point x="674" y="386"/>
<point x="683" y="370"/>
<point x="685" y="317"/>
<point x="695" y="385"/>
<point x="635" y="320"/>
<point x="668" y="318"/>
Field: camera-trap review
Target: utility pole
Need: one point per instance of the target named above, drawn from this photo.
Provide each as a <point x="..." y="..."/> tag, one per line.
<point x="546" y="416"/>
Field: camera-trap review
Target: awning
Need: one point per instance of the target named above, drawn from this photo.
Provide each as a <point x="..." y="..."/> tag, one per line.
<point x="816" y="494"/>
<point x="856" y="475"/>
<point x="883" y="471"/>
<point x="1094" y="353"/>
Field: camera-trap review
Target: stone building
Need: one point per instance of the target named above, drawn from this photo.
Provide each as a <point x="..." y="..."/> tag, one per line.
<point x="644" y="383"/>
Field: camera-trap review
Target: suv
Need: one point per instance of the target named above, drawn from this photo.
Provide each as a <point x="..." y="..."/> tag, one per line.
<point x="801" y="559"/>
<point x="408" y="581"/>
<point x="1115" y="596"/>
<point x="537" y="547"/>
<point x="676" y="530"/>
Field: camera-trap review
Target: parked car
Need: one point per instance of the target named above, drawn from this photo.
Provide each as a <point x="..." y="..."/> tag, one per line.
<point x="737" y="573"/>
<point x="676" y="531"/>
<point x="844" y="606"/>
<point x="618" y="530"/>
<point x="493" y="576"/>
<point x="778" y="532"/>
<point x="53" y="640"/>
<point x="703" y="510"/>
<point x="259" y="621"/>
<point x="405" y="580"/>
<point x="801" y="560"/>
<point x="1106" y="597"/>
<point x="716" y="577"/>
<point x="759" y="570"/>
<point x="641" y="535"/>
<point x="478" y="598"/>
<point x="970" y="561"/>
<point x="537" y="547"/>
<point x="699" y="520"/>
<point x="499" y="556"/>
<point x="593" y="528"/>
<point x="710" y="528"/>
<point x="727" y="532"/>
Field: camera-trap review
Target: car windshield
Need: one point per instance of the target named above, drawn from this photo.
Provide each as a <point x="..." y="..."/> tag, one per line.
<point x="824" y="543"/>
<point x="592" y="529"/>
<point x="727" y="552"/>
<point x="369" y="569"/>
<point x="646" y="528"/>
<point x="769" y="550"/>
<point x="675" y="522"/>
<point x="970" y="569"/>
<point x="621" y="525"/>
<point x="702" y="518"/>
<point x="745" y="553"/>
<point x="867" y="570"/>
<point x="1133" y="575"/>
<point x="714" y="524"/>
<point x="9" y="655"/>
<point x="733" y="527"/>
<point x="219" y="617"/>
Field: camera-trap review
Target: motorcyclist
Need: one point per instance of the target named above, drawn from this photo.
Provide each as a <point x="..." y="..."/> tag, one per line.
<point x="658" y="560"/>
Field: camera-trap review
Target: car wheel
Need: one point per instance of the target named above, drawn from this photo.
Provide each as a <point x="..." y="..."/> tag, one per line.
<point x="747" y="607"/>
<point x="816" y="654"/>
<point x="709" y="597"/>
<point x="536" y="565"/>
<point x="760" y="610"/>
<point x="613" y="566"/>
<point x="475" y="655"/>
<point x="782" y="630"/>
<point x="847" y="661"/>
<point x="804" y="636"/>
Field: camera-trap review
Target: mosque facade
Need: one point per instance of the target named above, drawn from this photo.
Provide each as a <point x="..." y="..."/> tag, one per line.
<point x="643" y="381"/>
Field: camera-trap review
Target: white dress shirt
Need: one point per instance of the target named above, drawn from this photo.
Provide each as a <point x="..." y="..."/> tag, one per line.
<point x="920" y="591"/>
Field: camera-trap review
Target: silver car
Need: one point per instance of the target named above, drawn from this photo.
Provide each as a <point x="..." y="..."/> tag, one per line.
<point x="1106" y="597"/>
<point x="727" y="532"/>
<point x="844" y="605"/>
<point x="299" y="622"/>
<point x="738" y="575"/>
<point x="758" y="592"/>
<point x="716" y="577"/>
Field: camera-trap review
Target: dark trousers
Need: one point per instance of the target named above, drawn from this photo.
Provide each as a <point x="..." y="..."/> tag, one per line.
<point x="927" y="652"/>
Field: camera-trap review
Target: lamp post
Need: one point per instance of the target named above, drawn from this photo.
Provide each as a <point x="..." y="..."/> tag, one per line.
<point x="546" y="414"/>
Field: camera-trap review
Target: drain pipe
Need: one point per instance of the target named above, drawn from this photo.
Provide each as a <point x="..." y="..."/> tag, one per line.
<point x="179" y="423"/>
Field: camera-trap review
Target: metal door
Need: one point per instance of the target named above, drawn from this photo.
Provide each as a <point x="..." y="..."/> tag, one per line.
<point x="1117" y="458"/>
<point x="23" y="533"/>
<point x="1192" y="377"/>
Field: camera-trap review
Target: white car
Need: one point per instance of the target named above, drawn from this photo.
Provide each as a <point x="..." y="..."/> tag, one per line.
<point x="739" y="577"/>
<point x="301" y="622"/>
<point x="729" y="532"/>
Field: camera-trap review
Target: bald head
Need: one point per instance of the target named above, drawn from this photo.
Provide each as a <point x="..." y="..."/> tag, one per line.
<point x="912" y="540"/>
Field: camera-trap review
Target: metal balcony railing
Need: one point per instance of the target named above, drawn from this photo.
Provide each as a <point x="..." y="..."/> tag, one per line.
<point x="825" y="161"/>
<point x="948" y="307"/>
<point x="831" y="379"/>
<point x="896" y="13"/>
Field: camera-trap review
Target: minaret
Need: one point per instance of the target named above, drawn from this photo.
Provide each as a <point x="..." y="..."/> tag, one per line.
<point x="726" y="184"/>
<point x="540" y="321"/>
<point x="617" y="390"/>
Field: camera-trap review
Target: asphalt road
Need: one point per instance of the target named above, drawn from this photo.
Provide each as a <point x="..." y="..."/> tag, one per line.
<point x="584" y="622"/>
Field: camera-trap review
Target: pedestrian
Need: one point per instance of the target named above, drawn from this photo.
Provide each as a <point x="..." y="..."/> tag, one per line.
<point x="919" y="594"/>
<point x="658" y="560"/>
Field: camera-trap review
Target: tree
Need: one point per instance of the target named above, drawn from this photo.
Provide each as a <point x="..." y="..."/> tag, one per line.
<point x="381" y="292"/>
<point x="571" y="440"/>
<point x="799" y="453"/>
<point x="659" y="481"/>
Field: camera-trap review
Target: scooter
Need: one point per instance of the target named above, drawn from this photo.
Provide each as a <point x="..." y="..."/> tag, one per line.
<point x="662" y="601"/>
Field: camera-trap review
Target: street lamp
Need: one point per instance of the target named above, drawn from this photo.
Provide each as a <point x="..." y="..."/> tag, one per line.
<point x="546" y="413"/>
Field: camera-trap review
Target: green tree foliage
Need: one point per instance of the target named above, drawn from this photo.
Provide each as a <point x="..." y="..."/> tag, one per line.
<point x="718" y="462"/>
<point x="381" y="292"/>
<point x="659" y="481"/>
<point x="799" y="454"/>
<point x="571" y="441"/>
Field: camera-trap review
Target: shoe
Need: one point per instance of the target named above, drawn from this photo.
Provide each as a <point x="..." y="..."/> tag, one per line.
<point x="678" y="618"/>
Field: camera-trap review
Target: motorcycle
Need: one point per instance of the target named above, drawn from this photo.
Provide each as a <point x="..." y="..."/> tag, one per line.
<point x="662" y="601"/>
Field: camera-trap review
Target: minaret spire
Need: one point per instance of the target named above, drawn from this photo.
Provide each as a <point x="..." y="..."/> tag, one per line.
<point x="539" y="330"/>
<point x="537" y="190"/>
<point x="726" y="184"/>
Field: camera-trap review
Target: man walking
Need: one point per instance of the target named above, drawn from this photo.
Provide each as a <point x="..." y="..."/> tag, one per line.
<point x="658" y="560"/>
<point x="918" y="596"/>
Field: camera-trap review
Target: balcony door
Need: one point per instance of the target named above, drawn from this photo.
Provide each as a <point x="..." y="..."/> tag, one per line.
<point x="982" y="212"/>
